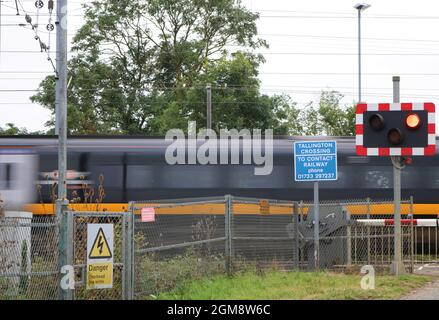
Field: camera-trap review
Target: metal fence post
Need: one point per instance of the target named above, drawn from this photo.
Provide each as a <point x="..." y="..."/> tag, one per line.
<point x="129" y="256"/>
<point x="348" y="239"/>
<point x="368" y="230"/>
<point x="412" y="237"/>
<point x="228" y="234"/>
<point x="61" y="209"/>
<point x="69" y="246"/>
<point x="296" y="234"/>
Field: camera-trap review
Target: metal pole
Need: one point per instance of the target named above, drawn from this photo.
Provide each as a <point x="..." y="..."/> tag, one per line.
<point x="412" y="242"/>
<point x="69" y="218"/>
<point x="296" y="234"/>
<point x="398" y="266"/>
<point x="359" y="55"/>
<point x="127" y="240"/>
<point x="209" y="106"/>
<point x="228" y="234"/>
<point x="316" y="226"/>
<point x="368" y="230"/>
<point x="61" y="102"/>
<point x="348" y="239"/>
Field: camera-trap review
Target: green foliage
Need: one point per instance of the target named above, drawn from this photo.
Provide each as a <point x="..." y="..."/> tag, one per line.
<point x="135" y="60"/>
<point x="236" y="100"/>
<point x="328" y="118"/>
<point x="155" y="274"/>
<point x="141" y="67"/>
<point x="275" y="284"/>
<point x="11" y="130"/>
<point x="336" y="121"/>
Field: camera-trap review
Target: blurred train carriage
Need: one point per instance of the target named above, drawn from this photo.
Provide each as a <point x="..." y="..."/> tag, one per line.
<point x="134" y="168"/>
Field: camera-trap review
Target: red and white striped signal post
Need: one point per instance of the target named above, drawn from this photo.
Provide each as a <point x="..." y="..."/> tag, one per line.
<point x="396" y="130"/>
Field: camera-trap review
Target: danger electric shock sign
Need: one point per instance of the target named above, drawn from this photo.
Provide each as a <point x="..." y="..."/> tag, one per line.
<point x="100" y="239"/>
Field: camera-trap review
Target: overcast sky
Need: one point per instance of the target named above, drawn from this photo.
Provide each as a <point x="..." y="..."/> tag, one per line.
<point x="313" y="46"/>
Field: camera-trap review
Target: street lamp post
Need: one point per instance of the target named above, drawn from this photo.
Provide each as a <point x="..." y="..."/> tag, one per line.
<point x="360" y="7"/>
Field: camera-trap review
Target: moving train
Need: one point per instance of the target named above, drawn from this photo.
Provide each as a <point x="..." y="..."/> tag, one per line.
<point x="121" y="169"/>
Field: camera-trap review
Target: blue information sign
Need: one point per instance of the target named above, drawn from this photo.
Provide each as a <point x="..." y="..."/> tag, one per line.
<point x="315" y="160"/>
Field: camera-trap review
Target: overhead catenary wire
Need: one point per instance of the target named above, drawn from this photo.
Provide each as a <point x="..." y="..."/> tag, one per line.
<point x="274" y="53"/>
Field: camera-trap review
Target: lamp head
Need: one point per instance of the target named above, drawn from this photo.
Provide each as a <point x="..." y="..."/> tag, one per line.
<point x="361" y="6"/>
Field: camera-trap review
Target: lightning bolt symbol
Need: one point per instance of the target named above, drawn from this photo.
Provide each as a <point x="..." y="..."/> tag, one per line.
<point x="100" y="244"/>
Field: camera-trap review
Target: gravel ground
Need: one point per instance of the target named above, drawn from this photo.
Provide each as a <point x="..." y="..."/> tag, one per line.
<point x="430" y="291"/>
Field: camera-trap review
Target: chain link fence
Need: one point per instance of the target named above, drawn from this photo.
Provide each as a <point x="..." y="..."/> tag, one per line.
<point x="355" y="233"/>
<point x="77" y="252"/>
<point x="28" y="257"/>
<point x="180" y="241"/>
<point x="186" y="239"/>
<point x="175" y="241"/>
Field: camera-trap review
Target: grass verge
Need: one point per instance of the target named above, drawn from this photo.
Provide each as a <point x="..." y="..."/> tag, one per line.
<point x="275" y="285"/>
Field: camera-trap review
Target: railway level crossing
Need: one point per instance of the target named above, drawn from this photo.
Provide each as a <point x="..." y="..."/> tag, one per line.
<point x="399" y="131"/>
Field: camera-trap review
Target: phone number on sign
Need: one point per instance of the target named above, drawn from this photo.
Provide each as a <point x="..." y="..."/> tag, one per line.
<point x="311" y="176"/>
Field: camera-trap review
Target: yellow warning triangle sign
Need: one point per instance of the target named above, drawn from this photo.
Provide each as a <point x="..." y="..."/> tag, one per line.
<point x="100" y="248"/>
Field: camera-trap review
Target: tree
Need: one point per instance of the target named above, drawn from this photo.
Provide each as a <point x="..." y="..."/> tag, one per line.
<point x="236" y="100"/>
<point x="336" y="120"/>
<point x="133" y="56"/>
<point x="12" y="130"/>
<point x="328" y="118"/>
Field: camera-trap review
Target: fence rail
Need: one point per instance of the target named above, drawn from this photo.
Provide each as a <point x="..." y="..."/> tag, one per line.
<point x="28" y="257"/>
<point x="192" y="238"/>
<point x="189" y="239"/>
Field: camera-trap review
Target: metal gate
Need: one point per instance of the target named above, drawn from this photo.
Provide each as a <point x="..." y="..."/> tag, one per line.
<point x="426" y="245"/>
<point x="77" y="223"/>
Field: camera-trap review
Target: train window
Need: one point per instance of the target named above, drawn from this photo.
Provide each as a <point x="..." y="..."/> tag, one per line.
<point x="189" y="176"/>
<point x="357" y="160"/>
<point x="112" y="175"/>
<point x="6" y="176"/>
<point x="139" y="176"/>
<point x="378" y="177"/>
<point x="109" y="166"/>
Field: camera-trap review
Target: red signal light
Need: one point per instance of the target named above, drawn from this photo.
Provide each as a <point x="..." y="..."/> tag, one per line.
<point x="413" y="121"/>
<point x="407" y="160"/>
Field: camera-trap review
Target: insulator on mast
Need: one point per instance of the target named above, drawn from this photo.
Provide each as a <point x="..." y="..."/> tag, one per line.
<point x="50" y="6"/>
<point x="28" y="19"/>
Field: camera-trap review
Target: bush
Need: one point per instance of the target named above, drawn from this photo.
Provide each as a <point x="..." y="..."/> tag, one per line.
<point x="155" y="274"/>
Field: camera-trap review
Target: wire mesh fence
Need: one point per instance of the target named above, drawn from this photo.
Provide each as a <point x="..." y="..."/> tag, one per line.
<point x="262" y="234"/>
<point x="426" y="247"/>
<point x="355" y="233"/>
<point x="176" y="241"/>
<point x="28" y="257"/>
<point x="78" y="241"/>
<point x="180" y="241"/>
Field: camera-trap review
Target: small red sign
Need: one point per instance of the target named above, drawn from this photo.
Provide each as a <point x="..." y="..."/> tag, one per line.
<point x="147" y="214"/>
